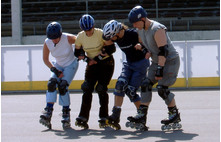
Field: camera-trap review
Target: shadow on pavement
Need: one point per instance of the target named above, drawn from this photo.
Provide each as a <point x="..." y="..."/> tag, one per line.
<point x="109" y="133"/>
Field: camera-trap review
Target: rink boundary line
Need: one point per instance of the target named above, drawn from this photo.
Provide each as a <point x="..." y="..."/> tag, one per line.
<point x="76" y="84"/>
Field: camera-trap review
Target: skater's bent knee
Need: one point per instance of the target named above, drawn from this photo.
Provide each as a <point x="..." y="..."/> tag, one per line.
<point x="121" y="86"/>
<point x="52" y="84"/>
<point x="165" y="94"/>
<point x="86" y="87"/>
<point x="146" y="85"/>
<point x="63" y="87"/>
<point x="101" y="89"/>
<point x="131" y="93"/>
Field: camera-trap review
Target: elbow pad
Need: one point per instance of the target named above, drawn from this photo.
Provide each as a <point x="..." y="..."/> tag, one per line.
<point x="163" y="51"/>
<point x="109" y="49"/>
<point x="79" y="52"/>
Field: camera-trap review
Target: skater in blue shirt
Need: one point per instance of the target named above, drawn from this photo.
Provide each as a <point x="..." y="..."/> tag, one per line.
<point x="134" y="68"/>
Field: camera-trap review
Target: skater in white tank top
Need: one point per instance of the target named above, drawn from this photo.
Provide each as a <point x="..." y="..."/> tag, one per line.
<point x="63" y="70"/>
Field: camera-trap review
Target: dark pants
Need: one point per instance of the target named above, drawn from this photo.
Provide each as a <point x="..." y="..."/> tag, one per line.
<point x="100" y="75"/>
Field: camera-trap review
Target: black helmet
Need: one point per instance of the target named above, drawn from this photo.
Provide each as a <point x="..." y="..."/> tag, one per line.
<point x="54" y="30"/>
<point x="136" y="14"/>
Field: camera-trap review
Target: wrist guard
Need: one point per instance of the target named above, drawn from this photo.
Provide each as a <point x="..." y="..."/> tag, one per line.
<point x="144" y="49"/>
<point x="86" y="59"/>
<point x="159" y="71"/>
<point x="56" y="71"/>
<point x="98" y="58"/>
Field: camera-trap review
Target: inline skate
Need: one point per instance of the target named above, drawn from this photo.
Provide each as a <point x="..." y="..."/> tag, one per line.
<point x="114" y="119"/>
<point x="103" y="122"/>
<point x="66" y="118"/>
<point x="81" y="122"/>
<point x="172" y="122"/>
<point x="138" y="122"/>
<point x="45" y="118"/>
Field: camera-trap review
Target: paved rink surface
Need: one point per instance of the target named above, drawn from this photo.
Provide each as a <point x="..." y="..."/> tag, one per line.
<point x="200" y="114"/>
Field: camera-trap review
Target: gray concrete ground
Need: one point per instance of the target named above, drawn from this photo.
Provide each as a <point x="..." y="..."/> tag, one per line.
<point x="200" y="114"/>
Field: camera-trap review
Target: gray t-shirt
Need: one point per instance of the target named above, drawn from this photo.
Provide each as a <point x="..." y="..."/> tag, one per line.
<point x="147" y="37"/>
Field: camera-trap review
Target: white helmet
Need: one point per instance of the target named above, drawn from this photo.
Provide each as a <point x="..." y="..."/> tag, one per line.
<point x="111" y="29"/>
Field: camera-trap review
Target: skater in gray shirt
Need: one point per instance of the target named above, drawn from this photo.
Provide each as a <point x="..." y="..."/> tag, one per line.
<point x="163" y="69"/>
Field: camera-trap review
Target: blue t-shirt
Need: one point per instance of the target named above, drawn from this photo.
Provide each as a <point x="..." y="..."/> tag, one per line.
<point x="127" y="43"/>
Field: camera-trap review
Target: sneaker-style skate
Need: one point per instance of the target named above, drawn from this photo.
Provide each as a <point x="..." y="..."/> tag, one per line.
<point x="114" y="119"/>
<point x="66" y="118"/>
<point x="172" y="122"/>
<point x="81" y="122"/>
<point x="45" y="118"/>
<point x="103" y="123"/>
<point x="138" y="122"/>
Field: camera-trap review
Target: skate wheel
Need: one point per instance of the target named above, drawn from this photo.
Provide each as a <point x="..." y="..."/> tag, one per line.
<point x="163" y="127"/>
<point x="179" y="126"/>
<point x="174" y="126"/>
<point x="169" y="127"/>
<point x="127" y="124"/>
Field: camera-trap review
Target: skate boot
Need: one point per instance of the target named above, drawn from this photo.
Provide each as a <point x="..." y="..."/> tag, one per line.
<point x="172" y="122"/>
<point x="45" y="118"/>
<point x="81" y="122"/>
<point x="139" y="121"/>
<point x="103" y="122"/>
<point x="66" y="118"/>
<point x="114" y="119"/>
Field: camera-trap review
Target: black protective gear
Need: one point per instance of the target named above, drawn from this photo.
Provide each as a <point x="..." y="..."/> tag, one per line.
<point x="159" y="71"/>
<point x="86" y="87"/>
<point x="100" y="89"/>
<point x="121" y="85"/>
<point x="163" y="51"/>
<point x="52" y="84"/>
<point x="56" y="71"/>
<point x="131" y="93"/>
<point x="79" y="52"/>
<point x="63" y="87"/>
<point x="146" y="85"/>
<point x="99" y="58"/>
<point x="109" y="49"/>
<point x="163" y="91"/>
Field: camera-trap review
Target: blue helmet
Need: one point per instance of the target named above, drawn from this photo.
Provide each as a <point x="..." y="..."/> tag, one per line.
<point x="136" y="14"/>
<point x="86" y="22"/>
<point x="54" y="30"/>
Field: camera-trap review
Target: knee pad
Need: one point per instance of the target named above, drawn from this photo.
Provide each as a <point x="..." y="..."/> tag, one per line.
<point x="146" y="85"/>
<point x="131" y="93"/>
<point x="86" y="87"/>
<point x="52" y="84"/>
<point x="101" y="89"/>
<point x="63" y="87"/>
<point x="121" y="85"/>
<point x="165" y="94"/>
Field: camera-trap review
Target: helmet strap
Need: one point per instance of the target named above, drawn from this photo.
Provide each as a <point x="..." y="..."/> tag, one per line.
<point x="144" y="24"/>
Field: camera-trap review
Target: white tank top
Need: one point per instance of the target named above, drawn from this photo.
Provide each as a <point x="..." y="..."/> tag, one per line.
<point x="62" y="51"/>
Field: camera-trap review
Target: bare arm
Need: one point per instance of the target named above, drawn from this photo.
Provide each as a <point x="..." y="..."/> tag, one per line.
<point x="71" y="39"/>
<point x="46" y="56"/>
<point x="160" y="38"/>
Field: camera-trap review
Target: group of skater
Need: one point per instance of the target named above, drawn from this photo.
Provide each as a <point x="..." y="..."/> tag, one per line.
<point x="96" y="47"/>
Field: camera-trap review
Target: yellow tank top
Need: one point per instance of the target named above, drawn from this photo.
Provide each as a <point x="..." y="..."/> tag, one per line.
<point x="92" y="45"/>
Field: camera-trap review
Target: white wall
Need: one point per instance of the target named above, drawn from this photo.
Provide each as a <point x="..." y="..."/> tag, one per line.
<point x="24" y="62"/>
<point x="174" y="36"/>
